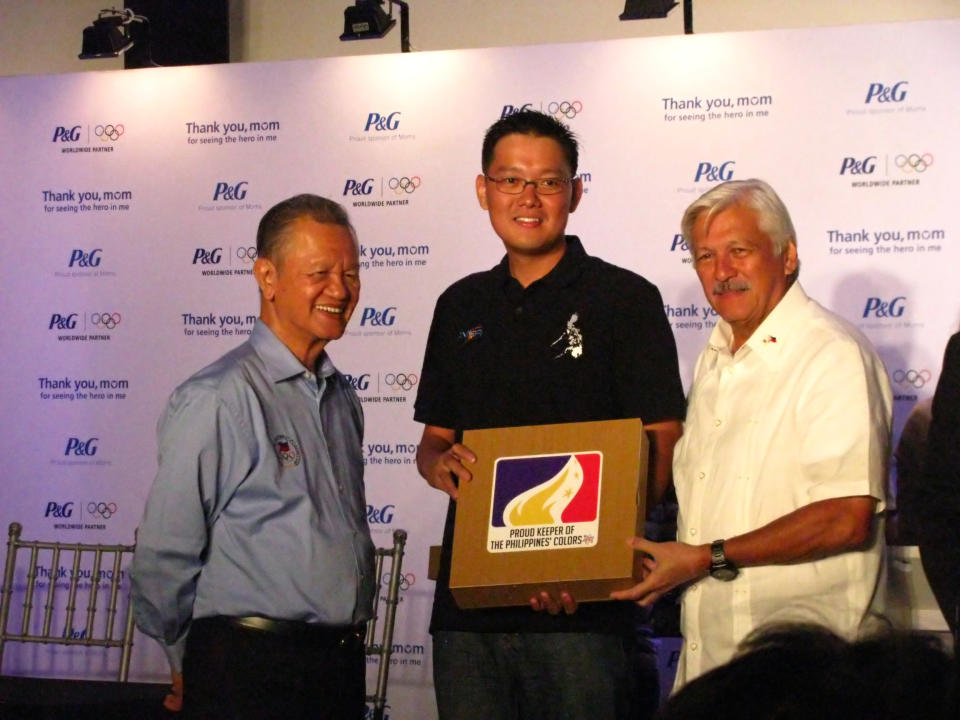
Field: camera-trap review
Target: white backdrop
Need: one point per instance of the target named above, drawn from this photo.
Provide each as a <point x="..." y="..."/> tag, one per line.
<point x="131" y="202"/>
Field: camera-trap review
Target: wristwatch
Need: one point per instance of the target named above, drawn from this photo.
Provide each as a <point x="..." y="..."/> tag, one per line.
<point x="720" y="567"/>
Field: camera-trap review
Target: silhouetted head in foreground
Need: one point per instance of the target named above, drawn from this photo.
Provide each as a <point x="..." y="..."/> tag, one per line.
<point x="806" y="672"/>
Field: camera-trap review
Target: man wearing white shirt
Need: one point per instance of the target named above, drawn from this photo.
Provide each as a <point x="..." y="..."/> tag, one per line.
<point x="780" y="470"/>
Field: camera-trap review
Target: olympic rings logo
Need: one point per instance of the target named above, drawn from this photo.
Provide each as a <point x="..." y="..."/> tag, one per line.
<point x="248" y="254"/>
<point x="916" y="378"/>
<point x="107" y="320"/>
<point x="568" y="109"/>
<point x="108" y="132"/>
<point x="407" y="580"/>
<point x="404" y="184"/>
<point x="400" y="381"/>
<point x="104" y="510"/>
<point x="914" y="162"/>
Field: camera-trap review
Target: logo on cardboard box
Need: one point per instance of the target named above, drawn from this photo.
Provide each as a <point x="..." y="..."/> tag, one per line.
<point x="543" y="502"/>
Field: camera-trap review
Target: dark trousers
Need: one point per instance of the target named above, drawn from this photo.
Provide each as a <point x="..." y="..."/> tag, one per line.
<point x="237" y="673"/>
<point x="540" y="676"/>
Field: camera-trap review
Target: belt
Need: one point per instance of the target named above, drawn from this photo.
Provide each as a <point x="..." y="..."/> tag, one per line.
<point x="312" y="632"/>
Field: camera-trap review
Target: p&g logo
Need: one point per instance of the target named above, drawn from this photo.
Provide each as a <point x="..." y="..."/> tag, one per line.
<point x="380" y="516"/>
<point x="859" y="167"/>
<point x="379" y="122"/>
<point x="715" y="173"/>
<point x="377" y="318"/>
<point x="65" y="135"/>
<point x="509" y="110"/>
<point x="358" y="187"/>
<point x="81" y="448"/>
<point x="79" y="258"/>
<point x="883" y="308"/>
<point x="207" y="257"/>
<point x="63" y="322"/>
<point x="226" y="191"/>
<point x="883" y="94"/>
<point x="55" y="509"/>
<point x="358" y="382"/>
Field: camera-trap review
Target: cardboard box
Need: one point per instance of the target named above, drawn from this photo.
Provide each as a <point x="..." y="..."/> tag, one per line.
<point x="549" y="508"/>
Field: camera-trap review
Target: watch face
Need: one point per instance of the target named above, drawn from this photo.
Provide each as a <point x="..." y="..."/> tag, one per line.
<point x="725" y="573"/>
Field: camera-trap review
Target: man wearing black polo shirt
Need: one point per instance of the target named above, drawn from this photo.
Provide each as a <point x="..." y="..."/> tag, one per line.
<point x="549" y="335"/>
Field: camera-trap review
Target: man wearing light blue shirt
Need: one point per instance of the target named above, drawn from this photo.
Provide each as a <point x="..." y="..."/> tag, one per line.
<point x="254" y="562"/>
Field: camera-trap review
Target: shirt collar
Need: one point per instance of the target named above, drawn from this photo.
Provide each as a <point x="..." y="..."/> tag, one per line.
<point x="773" y="335"/>
<point x="281" y="364"/>
<point x="563" y="273"/>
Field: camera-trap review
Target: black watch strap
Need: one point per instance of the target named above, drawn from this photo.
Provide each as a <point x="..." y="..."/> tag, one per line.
<point x="720" y="567"/>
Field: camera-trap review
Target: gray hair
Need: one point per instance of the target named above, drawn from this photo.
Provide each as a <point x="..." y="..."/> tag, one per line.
<point x="273" y="225"/>
<point x="772" y="217"/>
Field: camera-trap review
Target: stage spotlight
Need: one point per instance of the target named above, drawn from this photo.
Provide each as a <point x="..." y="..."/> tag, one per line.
<point x="366" y="19"/>
<point x="106" y="37"/>
<point x="645" y="9"/>
<point x="110" y="36"/>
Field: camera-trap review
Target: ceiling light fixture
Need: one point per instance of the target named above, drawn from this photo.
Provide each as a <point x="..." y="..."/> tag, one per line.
<point x="366" y="19"/>
<point x="109" y="35"/>
<point x="645" y="9"/>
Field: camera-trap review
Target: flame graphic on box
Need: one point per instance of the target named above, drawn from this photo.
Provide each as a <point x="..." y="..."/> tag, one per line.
<point x="542" y="502"/>
<point x="545" y="503"/>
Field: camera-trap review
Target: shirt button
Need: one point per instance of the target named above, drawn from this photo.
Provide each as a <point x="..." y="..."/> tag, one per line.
<point x="518" y="310"/>
<point x="693" y="646"/>
<point x="340" y="485"/>
<point x="717" y="422"/>
<point x="693" y="532"/>
<point x="701" y="475"/>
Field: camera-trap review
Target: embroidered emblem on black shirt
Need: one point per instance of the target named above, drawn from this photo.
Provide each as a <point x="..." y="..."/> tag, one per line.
<point x="465" y="336"/>
<point x="573" y="338"/>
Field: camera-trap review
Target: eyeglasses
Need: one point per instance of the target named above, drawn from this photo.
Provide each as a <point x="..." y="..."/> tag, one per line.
<point x="544" y="186"/>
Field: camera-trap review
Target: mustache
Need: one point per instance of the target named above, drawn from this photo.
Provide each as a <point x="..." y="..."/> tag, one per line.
<point x="729" y="285"/>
